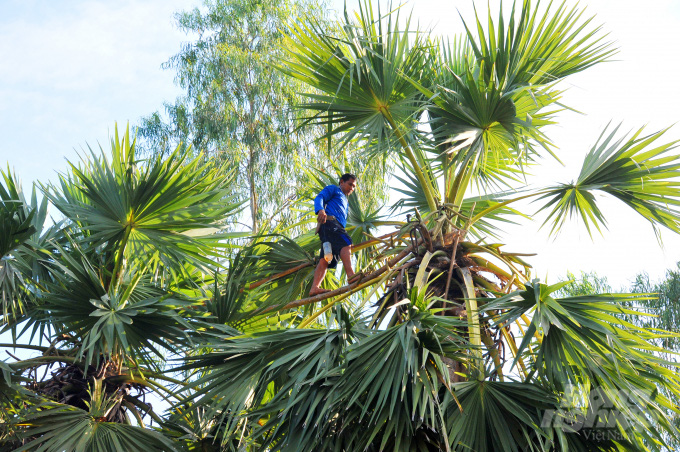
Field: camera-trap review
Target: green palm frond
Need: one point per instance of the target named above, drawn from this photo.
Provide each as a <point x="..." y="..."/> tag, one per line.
<point x="133" y="319"/>
<point x="242" y="369"/>
<point x="392" y="381"/>
<point x="365" y="78"/>
<point x="20" y="222"/>
<point x="476" y="133"/>
<point x="455" y="55"/>
<point x="229" y="299"/>
<point x="498" y="416"/>
<point x="487" y="111"/>
<point x="414" y="192"/>
<point x="488" y="225"/>
<point x="280" y="253"/>
<point x="16" y="217"/>
<point x="361" y="74"/>
<point x="271" y="271"/>
<point x="63" y="427"/>
<point x="311" y="390"/>
<point x="14" y="402"/>
<point x="584" y="342"/>
<point x="146" y="210"/>
<point x="634" y="170"/>
<point x="539" y="48"/>
<point x="196" y="431"/>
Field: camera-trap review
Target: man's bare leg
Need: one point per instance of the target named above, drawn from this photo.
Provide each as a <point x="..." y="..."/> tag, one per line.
<point x="319" y="274"/>
<point x="345" y="256"/>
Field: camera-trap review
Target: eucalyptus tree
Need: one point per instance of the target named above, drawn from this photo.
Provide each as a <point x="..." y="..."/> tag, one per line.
<point x="463" y="349"/>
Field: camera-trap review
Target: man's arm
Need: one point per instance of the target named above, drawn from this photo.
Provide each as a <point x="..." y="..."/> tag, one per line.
<point x="320" y="201"/>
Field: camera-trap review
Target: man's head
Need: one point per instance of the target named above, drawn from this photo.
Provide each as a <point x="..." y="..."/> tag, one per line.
<point x="348" y="182"/>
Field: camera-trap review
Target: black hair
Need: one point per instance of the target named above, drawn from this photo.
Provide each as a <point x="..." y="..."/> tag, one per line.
<point x="347" y="176"/>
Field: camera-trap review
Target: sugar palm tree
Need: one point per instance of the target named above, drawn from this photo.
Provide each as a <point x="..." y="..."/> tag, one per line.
<point x="110" y="289"/>
<point x="463" y="349"/>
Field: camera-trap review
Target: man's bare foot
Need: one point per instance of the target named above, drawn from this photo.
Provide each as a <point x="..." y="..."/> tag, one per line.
<point x="317" y="291"/>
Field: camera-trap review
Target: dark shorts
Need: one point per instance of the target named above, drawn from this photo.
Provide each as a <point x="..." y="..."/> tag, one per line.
<point x="332" y="231"/>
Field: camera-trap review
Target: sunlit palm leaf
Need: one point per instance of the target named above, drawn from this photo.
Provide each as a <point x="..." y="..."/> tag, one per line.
<point x="487" y="112"/>
<point x="539" y="48"/>
<point x="488" y="226"/>
<point x="413" y="190"/>
<point x="196" y="431"/>
<point x="360" y="73"/>
<point x="147" y="208"/>
<point x="632" y="170"/>
<point x="366" y="78"/>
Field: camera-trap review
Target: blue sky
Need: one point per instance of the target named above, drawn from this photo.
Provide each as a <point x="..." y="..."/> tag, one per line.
<point x="72" y="68"/>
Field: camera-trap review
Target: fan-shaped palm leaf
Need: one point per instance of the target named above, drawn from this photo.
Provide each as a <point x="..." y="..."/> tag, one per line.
<point x="143" y="210"/>
<point x="583" y="342"/>
<point x="128" y="320"/>
<point x="63" y="427"/>
<point x="631" y="170"/>
<point x="487" y="112"/>
<point x="243" y="368"/>
<point x="364" y="78"/>
<point x="498" y="416"/>
<point x="16" y="227"/>
<point x="538" y="48"/>
<point x="393" y="380"/>
<point x="22" y="245"/>
<point x="15" y="216"/>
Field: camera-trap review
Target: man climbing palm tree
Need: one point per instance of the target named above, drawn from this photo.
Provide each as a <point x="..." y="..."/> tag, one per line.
<point x="331" y="205"/>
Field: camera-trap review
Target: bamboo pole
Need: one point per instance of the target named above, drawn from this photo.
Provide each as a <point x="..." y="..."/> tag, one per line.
<point x="256" y="284"/>
<point x="342" y="290"/>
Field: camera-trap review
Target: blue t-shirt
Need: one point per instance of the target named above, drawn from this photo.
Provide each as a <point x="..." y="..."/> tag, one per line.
<point x="334" y="202"/>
